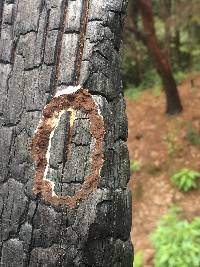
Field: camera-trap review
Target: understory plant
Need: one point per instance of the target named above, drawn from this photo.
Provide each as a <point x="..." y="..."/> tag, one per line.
<point x="185" y="179"/>
<point x="170" y="139"/>
<point x="176" y="241"/>
<point x="135" y="166"/>
<point x="138" y="259"/>
<point x="133" y="93"/>
<point x="193" y="136"/>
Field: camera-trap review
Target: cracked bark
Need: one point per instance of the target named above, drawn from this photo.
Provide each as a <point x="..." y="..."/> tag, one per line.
<point x="44" y="47"/>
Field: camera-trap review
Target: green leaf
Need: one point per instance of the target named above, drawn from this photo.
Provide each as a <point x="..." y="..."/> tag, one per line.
<point x="185" y="179"/>
<point x="176" y="241"/>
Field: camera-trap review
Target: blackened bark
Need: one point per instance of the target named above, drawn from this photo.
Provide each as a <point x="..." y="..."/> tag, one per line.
<point x="159" y="57"/>
<point x="46" y="46"/>
<point x="1" y="13"/>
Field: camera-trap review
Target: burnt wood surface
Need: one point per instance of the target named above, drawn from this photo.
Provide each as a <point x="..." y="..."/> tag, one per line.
<point x="45" y="46"/>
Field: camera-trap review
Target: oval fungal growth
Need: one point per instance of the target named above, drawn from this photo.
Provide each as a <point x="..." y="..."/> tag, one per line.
<point x="76" y="99"/>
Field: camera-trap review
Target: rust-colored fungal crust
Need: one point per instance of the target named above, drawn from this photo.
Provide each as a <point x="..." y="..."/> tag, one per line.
<point x="80" y="100"/>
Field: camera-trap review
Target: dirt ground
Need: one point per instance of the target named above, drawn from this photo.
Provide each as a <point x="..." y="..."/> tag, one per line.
<point x="159" y="142"/>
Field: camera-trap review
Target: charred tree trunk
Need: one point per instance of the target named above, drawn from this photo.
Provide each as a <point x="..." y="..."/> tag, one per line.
<point x="160" y="59"/>
<point x="64" y="163"/>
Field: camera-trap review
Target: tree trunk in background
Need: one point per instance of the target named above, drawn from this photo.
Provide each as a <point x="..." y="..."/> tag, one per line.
<point x="45" y="46"/>
<point x="160" y="59"/>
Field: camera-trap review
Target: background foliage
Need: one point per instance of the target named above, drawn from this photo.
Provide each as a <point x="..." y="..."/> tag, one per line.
<point x="177" y="241"/>
<point x="178" y="33"/>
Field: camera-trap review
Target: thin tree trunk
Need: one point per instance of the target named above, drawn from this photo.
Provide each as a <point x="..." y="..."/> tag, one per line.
<point x="64" y="164"/>
<point x="160" y="59"/>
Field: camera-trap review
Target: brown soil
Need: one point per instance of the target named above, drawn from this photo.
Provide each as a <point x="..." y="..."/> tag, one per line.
<point x="160" y="144"/>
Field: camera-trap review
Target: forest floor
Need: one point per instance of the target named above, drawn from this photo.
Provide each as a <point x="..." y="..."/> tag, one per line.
<point x="162" y="146"/>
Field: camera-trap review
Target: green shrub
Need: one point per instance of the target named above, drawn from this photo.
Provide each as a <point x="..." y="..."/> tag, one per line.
<point x="177" y="242"/>
<point x="180" y="76"/>
<point x="151" y="79"/>
<point x="157" y="91"/>
<point x="138" y="259"/>
<point x="135" y="166"/>
<point x="170" y="139"/>
<point x="193" y="136"/>
<point x="133" y="93"/>
<point x="185" y="179"/>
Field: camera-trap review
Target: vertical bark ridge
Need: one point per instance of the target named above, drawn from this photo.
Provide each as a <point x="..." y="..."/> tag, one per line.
<point x="1" y="14"/>
<point x="81" y="40"/>
<point x="46" y="29"/>
<point x="59" y="46"/>
<point x="27" y="261"/>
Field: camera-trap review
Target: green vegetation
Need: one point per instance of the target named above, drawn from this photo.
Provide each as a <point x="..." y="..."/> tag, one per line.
<point x="157" y="91"/>
<point x="135" y="166"/>
<point x="180" y="76"/>
<point x="133" y="93"/>
<point x="170" y="139"/>
<point x="177" y="241"/>
<point x="181" y="41"/>
<point x="193" y="136"/>
<point x="138" y="259"/>
<point x="185" y="179"/>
